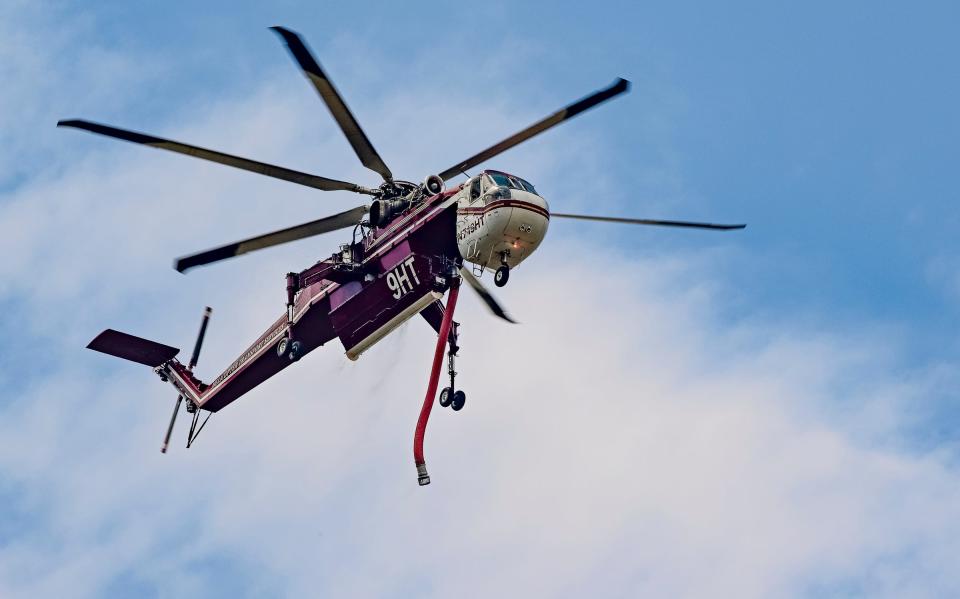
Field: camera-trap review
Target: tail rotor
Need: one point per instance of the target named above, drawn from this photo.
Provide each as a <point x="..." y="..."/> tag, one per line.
<point x="193" y="362"/>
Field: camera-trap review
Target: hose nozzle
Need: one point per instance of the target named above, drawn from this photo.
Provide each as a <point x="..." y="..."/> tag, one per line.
<point x="422" y="477"/>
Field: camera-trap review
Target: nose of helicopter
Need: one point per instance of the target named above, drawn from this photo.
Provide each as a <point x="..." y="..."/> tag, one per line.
<point x="529" y="200"/>
<point x="526" y="226"/>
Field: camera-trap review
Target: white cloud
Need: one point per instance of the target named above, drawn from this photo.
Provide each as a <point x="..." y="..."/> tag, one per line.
<point x="607" y="445"/>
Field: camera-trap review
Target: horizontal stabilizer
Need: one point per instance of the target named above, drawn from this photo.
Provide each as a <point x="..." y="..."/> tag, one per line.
<point x="135" y="349"/>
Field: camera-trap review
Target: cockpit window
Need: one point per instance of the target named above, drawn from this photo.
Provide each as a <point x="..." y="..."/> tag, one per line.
<point x="526" y="185"/>
<point x="512" y="182"/>
<point x="503" y="180"/>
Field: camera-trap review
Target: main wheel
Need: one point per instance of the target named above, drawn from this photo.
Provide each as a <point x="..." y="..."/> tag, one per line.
<point x="296" y="351"/>
<point x="282" y="347"/>
<point x="445" y="397"/>
<point x="459" y="399"/>
<point x="502" y="276"/>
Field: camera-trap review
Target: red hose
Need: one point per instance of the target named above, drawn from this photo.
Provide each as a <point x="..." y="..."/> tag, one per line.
<point x="422" y="477"/>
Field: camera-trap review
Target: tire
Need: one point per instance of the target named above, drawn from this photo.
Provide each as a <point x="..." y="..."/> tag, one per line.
<point x="459" y="399"/>
<point x="502" y="276"/>
<point x="282" y="347"/>
<point x="296" y="351"/>
<point x="445" y="397"/>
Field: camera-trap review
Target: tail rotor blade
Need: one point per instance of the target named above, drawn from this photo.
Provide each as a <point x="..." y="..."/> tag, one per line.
<point x="644" y="221"/>
<point x="485" y="295"/>
<point x="173" y="420"/>
<point x="262" y="168"/>
<point x="618" y="87"/>
<point x="203" y="331"/>
<point x="349" y="218"/>
<point x="338" y="108"/>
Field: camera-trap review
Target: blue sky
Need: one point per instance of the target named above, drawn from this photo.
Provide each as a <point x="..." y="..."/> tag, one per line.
<point x="829" y="128"/>
<point x="773" y="408"/>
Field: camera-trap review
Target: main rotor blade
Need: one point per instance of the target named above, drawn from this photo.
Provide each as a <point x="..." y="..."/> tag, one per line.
<point x="338" y="108"/>
<point x="324" y="225"/>
<point x="644" y="221"/>
<point x="277" y="172"/>
<point x="485" y="295"/>
<point x="619" y="86"/>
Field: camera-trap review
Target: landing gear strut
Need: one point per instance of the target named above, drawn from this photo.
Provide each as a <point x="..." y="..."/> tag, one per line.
<point x="288" y="347"/>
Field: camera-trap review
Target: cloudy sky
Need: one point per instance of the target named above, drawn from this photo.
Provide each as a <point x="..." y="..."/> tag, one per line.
<point x="762" y="413"/>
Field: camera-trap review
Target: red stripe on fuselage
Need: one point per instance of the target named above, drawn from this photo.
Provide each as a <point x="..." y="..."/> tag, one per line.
<point x="506" y="204"/>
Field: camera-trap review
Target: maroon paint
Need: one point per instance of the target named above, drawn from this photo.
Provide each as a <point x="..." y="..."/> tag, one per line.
<point x="376" y="304"/>
<point x="330" y="302"/>
<point x="395" y="256"/>
<point x="350" y="310"/>
<point x="313" y="329"/>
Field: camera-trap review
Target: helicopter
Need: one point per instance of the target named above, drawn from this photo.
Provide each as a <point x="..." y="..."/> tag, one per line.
<point x="411" y="244"/>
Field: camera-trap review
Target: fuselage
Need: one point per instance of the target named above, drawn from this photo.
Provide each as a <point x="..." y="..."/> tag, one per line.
<point x="374" y="285"/>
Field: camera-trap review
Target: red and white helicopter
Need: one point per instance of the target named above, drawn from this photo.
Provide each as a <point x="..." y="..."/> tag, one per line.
<point x="409" y="247"/>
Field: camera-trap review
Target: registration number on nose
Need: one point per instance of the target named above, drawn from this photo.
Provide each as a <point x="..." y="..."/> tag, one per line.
<point x="402" y="277"/>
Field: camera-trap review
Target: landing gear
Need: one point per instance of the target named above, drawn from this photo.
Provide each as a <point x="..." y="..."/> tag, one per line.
<point x="451" y="396"/>
<point x="502" y="276"/>
<point x="290" y="349"/>
<point x="503" y="273"/>
<point x="453" y="399"/>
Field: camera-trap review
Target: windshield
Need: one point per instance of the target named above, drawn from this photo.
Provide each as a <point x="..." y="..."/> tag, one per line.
<point x="512" y="182"/>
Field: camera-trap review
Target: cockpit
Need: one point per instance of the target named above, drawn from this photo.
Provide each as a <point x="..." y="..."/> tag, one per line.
<point x="489" y="179"/>
<point x="511" y="181"/>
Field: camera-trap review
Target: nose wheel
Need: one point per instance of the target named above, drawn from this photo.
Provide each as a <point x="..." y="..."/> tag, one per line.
<point x="502" y="276"/>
